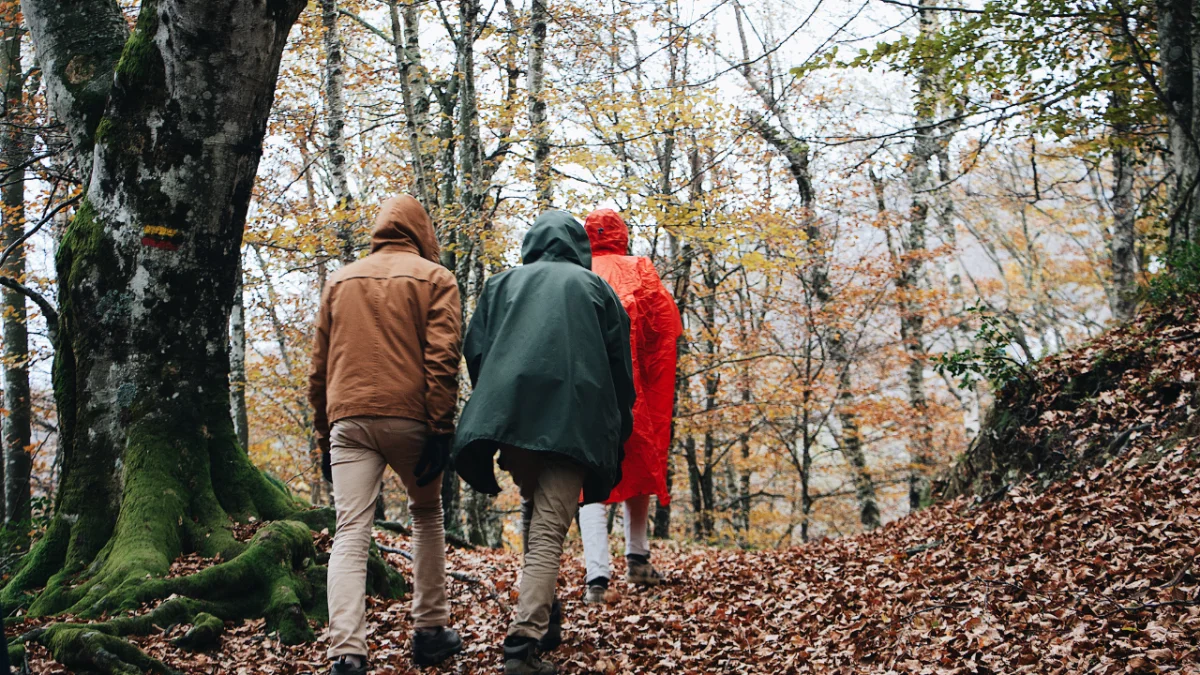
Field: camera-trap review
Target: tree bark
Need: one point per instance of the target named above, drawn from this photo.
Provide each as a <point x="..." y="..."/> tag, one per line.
<point x="852" y="450"/>
<point x="1190" y="157"/>
<point x="538" y="17"/>
<point x="335" y="130"/>
<point x="237" y="363"/>
<point x="1124" y="234"/>
<point x="1176" y="48"/>
<point x="78" y="45"/>
<point x="406" y="41"/>
<point x="912" y="267"/>
<point x="146" y="270"/>
<point x="14" y="152"/>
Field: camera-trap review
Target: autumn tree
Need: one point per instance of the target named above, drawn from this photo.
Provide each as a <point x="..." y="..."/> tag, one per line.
<point x="170" y="119"/>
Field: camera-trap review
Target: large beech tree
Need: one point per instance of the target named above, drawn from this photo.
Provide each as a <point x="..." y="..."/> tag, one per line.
<point x="167" y="123"/>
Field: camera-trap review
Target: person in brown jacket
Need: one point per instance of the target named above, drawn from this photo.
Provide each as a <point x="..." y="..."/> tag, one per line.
<point x="383" y="387"/>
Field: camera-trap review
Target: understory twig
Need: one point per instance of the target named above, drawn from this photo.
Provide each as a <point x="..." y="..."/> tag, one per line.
<point x="461" y="576"/>
<point x="401" y="528"/>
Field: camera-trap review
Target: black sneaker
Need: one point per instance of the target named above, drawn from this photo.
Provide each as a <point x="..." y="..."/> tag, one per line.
<point x="431" y="646"/>
<point x="553" y="637"/>
<point x="521" y="658"/>
<point x="596" y="590"/>
<point x="343" y="666"/>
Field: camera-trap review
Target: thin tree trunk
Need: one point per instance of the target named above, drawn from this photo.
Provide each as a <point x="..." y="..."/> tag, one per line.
<point x="852" y="450"/>
<point x="406" y="41"/>
<point x="912" y="268"/>
<point x="1191" y="154"/>
<point x="321" y="488"/>
<point x="14" y="473"/>
<point x="1176" y="50"/>
<point x="335" y="129"/>
<point x="694" y="479"/>
<point x="712" y="384"/>
<point x="237" y="363"/>
<point x="1124" y="234"/>
<point x="538" y="16"/>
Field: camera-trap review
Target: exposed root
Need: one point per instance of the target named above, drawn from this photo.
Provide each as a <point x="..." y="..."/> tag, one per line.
<point x="44" y="560"/>
<point x="89" y="648"/>
<point x="277" y="575"/>
<point x="205" y="633"/>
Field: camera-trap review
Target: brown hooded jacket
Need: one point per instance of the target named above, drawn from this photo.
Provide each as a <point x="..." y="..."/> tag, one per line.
<point x="388" y="333"/>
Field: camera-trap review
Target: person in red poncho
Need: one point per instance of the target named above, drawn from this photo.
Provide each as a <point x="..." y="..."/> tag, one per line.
<point x="654" y="329"/>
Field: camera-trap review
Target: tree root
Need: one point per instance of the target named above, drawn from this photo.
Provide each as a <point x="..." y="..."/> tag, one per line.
<point x="277" y="576"/>
<point x="83" y="647"/>
<point x="205" y="634"/>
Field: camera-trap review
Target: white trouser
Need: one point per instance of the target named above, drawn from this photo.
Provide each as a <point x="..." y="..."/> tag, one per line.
<point x="593" y="528"/>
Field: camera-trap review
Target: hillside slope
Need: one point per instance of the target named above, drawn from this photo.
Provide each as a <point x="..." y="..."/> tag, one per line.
<point x="1094" y="573"/>
<point x="1132" y="388"/>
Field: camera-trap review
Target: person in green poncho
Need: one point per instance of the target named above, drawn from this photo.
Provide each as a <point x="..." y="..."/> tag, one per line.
<point x="549" y="358"/>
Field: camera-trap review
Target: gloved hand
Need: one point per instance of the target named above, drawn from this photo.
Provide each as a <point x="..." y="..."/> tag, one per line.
<point x="326" y="458"/>
<point x="434" y="458"/>
<point x="620" y="464"/>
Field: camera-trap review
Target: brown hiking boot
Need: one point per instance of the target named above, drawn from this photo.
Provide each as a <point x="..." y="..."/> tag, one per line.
<point x="643" y="574"/>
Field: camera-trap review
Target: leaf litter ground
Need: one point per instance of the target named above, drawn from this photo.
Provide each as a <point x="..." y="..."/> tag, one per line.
<point x="1097" y="573"/>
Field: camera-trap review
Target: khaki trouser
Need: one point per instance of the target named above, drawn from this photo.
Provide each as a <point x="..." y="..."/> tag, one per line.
<point x="552" y="482"/>
<point x="361" y="447"/>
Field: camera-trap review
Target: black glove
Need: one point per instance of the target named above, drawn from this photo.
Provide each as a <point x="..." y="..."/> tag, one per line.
<point x="620" y="464"/>
<point x="434" y="458"/>
<point x="326" y="458"/>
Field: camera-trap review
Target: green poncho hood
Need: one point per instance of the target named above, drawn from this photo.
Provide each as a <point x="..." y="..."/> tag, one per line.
<point x="557" y="237"/>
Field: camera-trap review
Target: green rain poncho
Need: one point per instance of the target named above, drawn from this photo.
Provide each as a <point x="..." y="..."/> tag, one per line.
<point x="548" y="354"/>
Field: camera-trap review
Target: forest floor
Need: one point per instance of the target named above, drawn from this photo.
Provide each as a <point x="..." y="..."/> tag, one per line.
<point x="1094" y="573"/>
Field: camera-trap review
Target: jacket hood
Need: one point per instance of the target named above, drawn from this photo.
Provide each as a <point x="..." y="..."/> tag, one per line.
<point x="403" y="222"/>
<point x="608" y="233"/>
<point x="557" y="236"/>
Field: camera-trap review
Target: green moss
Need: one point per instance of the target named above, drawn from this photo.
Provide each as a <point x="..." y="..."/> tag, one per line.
<point x="318" y="519"/>
<point x="82" y="243"/>
<point x="89" y="648"/>
<point x="104" y="130"/>
<point x="44" y="559"/>
<point x="242" y="489"/>
<point x="16" y="655"/>
<point x="382" y="579"/>
<point x="285" y="612"/>
<point x="205" y="633"/>
<point x="140" y="56"/>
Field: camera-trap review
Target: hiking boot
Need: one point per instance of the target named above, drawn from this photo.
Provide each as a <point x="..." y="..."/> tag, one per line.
<point x="594" y="595"/>
<point x="596" y="588"/>
<point x="431" y="646"/>
<point x="553" y="637"/>
<point x="642" y="573"/>
<point x="520" y="658"/>
<point x="344" y="665"/>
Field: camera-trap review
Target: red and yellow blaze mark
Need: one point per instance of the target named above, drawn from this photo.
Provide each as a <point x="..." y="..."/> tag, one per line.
<point x="156" y="236"/>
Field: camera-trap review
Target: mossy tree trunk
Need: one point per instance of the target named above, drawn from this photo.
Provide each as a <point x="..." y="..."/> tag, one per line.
<point x="167" y="124"/>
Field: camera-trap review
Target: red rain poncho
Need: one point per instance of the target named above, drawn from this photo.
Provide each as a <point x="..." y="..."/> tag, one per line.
<point x="654" y="328"/>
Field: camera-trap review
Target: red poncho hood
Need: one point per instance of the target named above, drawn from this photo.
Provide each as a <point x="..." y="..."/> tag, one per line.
<point x="608" y="233"/>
